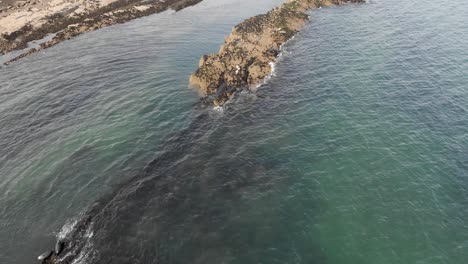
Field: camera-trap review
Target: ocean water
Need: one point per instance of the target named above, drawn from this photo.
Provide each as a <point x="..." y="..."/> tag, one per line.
<point x="355" y="151"/>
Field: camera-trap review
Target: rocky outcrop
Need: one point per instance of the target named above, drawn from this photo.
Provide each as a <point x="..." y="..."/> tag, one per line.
<point x="69" y="21"/>
<point x="246" y="57"/>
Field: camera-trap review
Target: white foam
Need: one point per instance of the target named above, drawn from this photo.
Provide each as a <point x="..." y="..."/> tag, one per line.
<point x="82" y="257"/>
<point x="218" y="108"/>
<point x="89" y="233"/>
<point x="67" y="229"/>
<point x="88" y="250"/>
<point x="273" y="66"/>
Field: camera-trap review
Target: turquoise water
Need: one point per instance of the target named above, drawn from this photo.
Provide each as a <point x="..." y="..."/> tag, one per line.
<point x="355" y="151"/>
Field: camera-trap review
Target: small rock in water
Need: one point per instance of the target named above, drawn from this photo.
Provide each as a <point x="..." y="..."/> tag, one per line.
<point x="45" y="255"/>
<point x="218" y="102"/>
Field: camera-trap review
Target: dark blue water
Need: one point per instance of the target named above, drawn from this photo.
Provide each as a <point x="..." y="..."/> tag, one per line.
<point x="355" y="151"/>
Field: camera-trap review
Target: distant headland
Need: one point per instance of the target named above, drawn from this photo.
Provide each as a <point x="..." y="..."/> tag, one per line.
<point x="24" y="21"/>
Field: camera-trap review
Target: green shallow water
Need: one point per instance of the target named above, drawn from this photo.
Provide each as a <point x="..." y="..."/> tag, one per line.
<point x="355" y="151"/>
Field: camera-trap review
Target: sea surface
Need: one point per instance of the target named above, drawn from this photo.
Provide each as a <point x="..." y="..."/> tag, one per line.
<point x="355" y="151"/>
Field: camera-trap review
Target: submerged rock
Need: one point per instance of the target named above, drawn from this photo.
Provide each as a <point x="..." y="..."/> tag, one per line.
<point x="246" y="57"/>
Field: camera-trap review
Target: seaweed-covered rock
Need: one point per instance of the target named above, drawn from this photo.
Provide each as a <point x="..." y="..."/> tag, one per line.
<point x="246" y="56"/>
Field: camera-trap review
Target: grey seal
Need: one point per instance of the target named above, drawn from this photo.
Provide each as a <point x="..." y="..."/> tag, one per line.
<point x="45" y="255"/>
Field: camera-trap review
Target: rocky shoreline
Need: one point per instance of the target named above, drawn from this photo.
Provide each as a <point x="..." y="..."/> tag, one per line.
<point x="248" y="54"/>
<point x="35" y="19"/>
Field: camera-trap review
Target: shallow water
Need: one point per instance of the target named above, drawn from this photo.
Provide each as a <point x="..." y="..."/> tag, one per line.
<point x="355" y="151"/>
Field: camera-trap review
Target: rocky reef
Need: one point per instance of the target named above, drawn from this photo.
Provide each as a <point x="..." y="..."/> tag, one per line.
<point x="69" y="18"/>
<point x="246" y="57"/>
